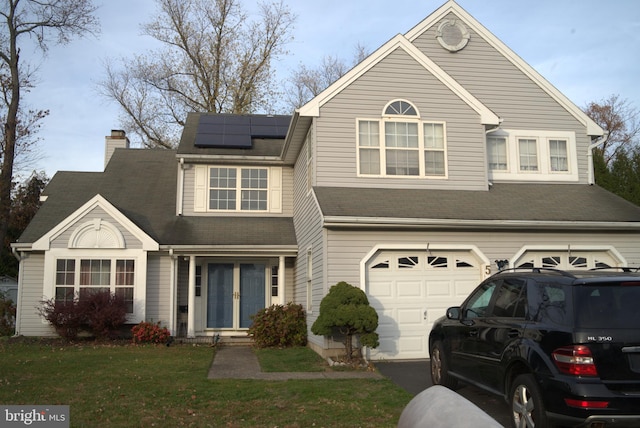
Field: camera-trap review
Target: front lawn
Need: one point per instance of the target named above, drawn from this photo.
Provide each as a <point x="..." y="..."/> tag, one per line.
<point x="144" y="386"/>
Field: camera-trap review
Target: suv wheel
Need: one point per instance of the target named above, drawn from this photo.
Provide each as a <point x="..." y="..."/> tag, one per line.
<point x="526" y="403"/>
<point x="440" y="368"/>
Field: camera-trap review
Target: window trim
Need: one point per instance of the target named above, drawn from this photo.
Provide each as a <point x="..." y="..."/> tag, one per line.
<point x="382" y="147"/>
<point x="140" y="275"/>
<point x="544" y="172"/>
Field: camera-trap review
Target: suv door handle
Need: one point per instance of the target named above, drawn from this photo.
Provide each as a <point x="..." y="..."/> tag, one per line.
<point x="473" y="333"/>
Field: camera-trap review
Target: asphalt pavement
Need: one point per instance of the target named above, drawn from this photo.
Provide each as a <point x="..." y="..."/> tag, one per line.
<point x="414" y="376"/>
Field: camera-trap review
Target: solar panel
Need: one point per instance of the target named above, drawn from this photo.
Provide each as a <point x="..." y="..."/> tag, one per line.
<point x="237" y="131"/>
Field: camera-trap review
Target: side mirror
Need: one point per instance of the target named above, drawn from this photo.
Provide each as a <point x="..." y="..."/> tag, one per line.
<point x="453" y="313"/>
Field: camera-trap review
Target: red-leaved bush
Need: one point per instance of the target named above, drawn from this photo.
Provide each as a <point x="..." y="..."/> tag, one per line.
<point x="147" y="332"/>
<point x="101" y="314"/>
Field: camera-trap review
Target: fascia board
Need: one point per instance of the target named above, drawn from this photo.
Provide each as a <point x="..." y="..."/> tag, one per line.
<point x="312" y="108"/>
<point x="371" y="222"/>
<point x="98" y="200"/>
<point x="593" y="128"/>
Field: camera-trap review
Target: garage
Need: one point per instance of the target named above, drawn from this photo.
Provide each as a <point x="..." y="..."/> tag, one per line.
<point x="410" y="289"/>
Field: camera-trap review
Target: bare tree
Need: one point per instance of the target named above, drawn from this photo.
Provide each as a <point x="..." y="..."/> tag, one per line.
<point x="213" y="58"/>
<point x="306" y="83"/>
<point x="621" y="120"/>
<point x="44" y="21"/>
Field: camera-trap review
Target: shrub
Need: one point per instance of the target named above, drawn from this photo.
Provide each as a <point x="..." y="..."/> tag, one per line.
<point x="7" y="315"/>
<point x="279" y="326"/>
<point x="147" y="332"/>
<point x="101" y="314"/>
<point x="346" y="310"/>
<point x="64" y="317"/>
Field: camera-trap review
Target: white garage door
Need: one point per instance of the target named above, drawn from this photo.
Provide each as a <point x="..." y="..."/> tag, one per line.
<point x="410" y="290"/>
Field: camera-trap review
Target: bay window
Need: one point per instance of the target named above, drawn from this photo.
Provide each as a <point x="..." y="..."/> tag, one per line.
<point x="84" y="276"/>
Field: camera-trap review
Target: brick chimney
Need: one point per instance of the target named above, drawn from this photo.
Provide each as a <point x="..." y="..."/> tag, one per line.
<point x="117" y="139"/>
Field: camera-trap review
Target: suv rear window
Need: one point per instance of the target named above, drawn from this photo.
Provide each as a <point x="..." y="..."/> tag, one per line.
<point x="611" y="305"/>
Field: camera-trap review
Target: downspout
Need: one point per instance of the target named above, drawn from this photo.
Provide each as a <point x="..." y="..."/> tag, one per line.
<point x="180" y="187"/>
<point x="20" y="288"/>
<point x="598" y="142"/>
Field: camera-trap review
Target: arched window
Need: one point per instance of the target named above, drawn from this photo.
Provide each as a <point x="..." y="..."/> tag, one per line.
<point x="400" y="144"/>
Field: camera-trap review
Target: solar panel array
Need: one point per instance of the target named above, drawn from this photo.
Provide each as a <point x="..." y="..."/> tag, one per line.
<point x="236" y="131"/>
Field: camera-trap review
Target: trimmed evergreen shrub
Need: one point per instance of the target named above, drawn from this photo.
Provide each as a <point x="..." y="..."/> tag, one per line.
<point x="279" y="326"/>
<point x="345" y="310"/>
<point x="7" y="315"/>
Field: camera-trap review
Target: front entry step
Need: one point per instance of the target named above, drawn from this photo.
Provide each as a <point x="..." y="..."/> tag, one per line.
<point x="239" y="340"/>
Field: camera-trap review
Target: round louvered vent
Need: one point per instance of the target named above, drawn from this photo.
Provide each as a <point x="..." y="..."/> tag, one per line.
<point x="452" y="35"/>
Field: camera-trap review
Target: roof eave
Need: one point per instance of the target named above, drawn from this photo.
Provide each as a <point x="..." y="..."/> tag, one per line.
<point x="403" y="223"/>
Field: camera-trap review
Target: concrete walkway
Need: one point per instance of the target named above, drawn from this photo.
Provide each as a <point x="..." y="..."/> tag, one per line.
<point x="239" y="362"/>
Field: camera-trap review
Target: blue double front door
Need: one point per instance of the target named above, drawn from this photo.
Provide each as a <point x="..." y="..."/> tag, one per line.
<point x="235" y="291"/>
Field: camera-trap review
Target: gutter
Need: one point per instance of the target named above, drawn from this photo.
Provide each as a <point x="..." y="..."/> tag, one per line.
<point x="395" y="224"/>
<point x="599" y="141"/>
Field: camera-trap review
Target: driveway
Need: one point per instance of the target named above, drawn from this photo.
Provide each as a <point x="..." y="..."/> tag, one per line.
<point x="414" y="377"/>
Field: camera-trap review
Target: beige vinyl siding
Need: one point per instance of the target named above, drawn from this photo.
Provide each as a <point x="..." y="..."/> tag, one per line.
<point x="504" y="89"/>
<point x="399" y="76"/>
<point x="347" y="249"/>
<point x="158" y="289"/>
<point x="190" y="186"/>
<point x="30" y="296"/>
<point x="62" y="241"/>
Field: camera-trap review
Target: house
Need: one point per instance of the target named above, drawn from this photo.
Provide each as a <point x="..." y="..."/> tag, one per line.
<point x="439" y="159"/>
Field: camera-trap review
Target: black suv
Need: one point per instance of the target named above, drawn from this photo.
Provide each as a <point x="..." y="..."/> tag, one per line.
<point x="562" y="348"/>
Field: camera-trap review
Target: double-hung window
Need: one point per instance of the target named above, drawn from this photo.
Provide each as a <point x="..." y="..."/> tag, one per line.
<point x="233" y="189"/>
<point x="401" y="144"/>
<point x="528" y="149"/>
<point x="497" y="153"/>
<point x="558" y="155"/>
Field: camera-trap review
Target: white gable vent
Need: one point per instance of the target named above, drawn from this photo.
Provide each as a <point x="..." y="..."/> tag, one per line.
<point x="452" y="35"/>
<point x="96" y="234"/>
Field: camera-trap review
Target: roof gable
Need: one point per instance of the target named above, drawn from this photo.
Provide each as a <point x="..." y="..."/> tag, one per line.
<point x="79" y="236"/>
<point x="312" y="108"/>
<point x="451" y="7"/>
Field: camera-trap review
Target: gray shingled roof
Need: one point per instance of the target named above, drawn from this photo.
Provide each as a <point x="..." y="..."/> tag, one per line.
<point x="261" y="147"/>
<point x="516" y="202"/>
<point x="141" y="183"/>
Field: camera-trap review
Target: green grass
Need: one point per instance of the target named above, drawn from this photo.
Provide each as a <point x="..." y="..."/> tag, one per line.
<point x="145" y="386"/>
<point x="298" y="359"/>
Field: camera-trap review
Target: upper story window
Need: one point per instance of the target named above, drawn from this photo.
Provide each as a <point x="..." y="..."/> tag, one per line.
<point x="233" y="189"/>
<point x="236" y="189"/>
<point x="401" y="144"/>
<point x="532" y="155"/>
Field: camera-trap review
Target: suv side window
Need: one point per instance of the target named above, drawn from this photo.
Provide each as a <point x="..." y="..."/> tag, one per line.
<point x="549" y="303"/>
<point x="511" y="299"/>
<point x="478" y="303"/>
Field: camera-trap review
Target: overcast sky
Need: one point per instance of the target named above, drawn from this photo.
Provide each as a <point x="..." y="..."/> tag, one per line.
<point x="588" y="49"/>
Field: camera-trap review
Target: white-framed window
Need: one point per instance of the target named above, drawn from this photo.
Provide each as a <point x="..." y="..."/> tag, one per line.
<point x="401" y="144"/>
<point x="82" y="276"/>
<point x="558" y="158"/>
<point x="238" y="189"/>
<point x="528" y="154"/>
<point x="497" y="153"/>
<point x="532" y="155"/>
